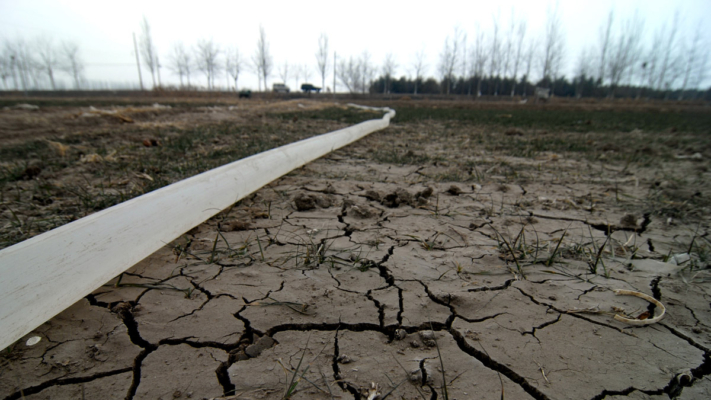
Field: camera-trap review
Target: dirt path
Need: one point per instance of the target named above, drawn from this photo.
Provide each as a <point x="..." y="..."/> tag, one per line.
<point x="416" y="277"/>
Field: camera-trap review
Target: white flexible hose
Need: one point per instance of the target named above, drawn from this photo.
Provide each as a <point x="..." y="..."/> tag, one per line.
<point x="44" y="275"/>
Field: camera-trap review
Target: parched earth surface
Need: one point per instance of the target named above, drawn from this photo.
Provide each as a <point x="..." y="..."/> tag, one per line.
<point x="438" y="258"/>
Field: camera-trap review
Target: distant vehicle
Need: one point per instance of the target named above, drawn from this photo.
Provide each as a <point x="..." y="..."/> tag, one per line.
<point x="307" y="88"/>
<point x="280" y="88"/>
<point x="245" y="94"/>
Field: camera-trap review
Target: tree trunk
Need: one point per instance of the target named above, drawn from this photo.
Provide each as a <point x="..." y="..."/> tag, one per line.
<point x="51" y="78"/>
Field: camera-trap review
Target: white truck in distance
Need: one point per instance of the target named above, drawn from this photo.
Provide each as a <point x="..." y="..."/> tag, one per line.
<point x="280" y="88"/>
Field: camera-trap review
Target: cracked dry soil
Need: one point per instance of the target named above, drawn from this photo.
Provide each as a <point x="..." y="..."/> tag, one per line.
<point x="353" y="271"/>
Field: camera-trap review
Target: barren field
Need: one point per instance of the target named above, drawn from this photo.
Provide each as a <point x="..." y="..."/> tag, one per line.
<point x="468" y="251"/>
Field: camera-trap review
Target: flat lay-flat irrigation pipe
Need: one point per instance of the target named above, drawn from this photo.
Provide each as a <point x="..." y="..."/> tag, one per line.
<point x="44" y="275"/>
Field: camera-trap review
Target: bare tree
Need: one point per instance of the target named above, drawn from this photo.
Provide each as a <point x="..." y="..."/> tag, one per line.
<point x="148" y="50"/>
<point x="650" y="65"/>
<point x="508" y="45"/>
<point x="5" y="71"/>
<point x="305" y="73"/>
<point x="367" y="71"/>
<point x="73" y="63"/>
<point x="495" y="55"/>
<point x="262" y="59"/>
<point x="297" y="75"/>
<point x="48" y="58"/>
<point x="605" y="34"/>
<point x="356" y="73"/>
<point x="234" y="64"/>
<point x="21" y="62"/>
<point x="419" y="66"/>
<point x="669" y="64"/>
<point x="180" y="62"/>
<point x="520" y="35"/>
<point x="322" y="58"/>
<point x="553" y="45"/>
<point x="530" y="52"/>
<point x="206" y="60"/>
<point x="481" y="57"/>
<point x="583" y="69"/>
<point x="467" y="66"/>
<point x="625" y="51"/>
<point x="284" y="72"/>
<point x="9" y="59"/>
<point x="701" y="68"/>
<point x="349" y="73"/>
<point x="450" y="57"/>
<point x="692" y="61"/>
<point x="389" y="66"/>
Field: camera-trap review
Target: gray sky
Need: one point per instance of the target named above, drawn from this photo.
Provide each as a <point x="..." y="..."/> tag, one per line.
<point x="103" y="29"/>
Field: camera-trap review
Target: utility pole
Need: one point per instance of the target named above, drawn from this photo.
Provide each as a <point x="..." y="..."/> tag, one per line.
<point x="138" y="63"/>
<point x="334" y="74"/>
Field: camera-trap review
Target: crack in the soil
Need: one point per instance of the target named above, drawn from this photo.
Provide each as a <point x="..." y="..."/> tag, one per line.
<point x="496" y="366"/>
<point x="693" y="314"/>
<point x="98" y="303"/>
<point x="20" y="394"/>
<point x="675" y="385"/>
<point x="532" y="332"/>
<point x="334" y="278"/>
<point x="223" y="377"/>
<point x="401" y="305"/>
<point x="586" y="291"/>
<point x="626" y="392"/>
<point x="650" y="245"/>
<point x="503" y="286"/>
<point x="249" y="331"/>
<point x="124" y="311"/>
<point x="330" y="326"/>
<point x="345" y="386"/>
<point x="656" y="293"/>
<point x="379" y="306"/>
<point x="348" y="230"/>
<point x="437" y="300"/>
<point x="423" y="372"/>
<point x="482" y="319"/>
<point x="575" y="315"/>
<point x="198" y="345"/>
<point x="687" y="338"/>
<point x="383" y="270"/>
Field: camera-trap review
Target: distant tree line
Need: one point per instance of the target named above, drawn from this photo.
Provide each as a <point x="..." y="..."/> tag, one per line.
<point x="504" y="60"/>
<point x="562" y="87"/>
<point x="38" y="63"/>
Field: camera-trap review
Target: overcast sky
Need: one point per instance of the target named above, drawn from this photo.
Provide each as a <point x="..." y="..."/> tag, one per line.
<point x="103" y="29"/>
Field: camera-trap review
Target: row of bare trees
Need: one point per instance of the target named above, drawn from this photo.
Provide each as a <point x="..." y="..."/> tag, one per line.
<point x="501" y="53"/>
<point x="38" y="64"/>
<point x="621" y="56"/>
<point x="505" y="52"/>
<point x="208" y="58"/>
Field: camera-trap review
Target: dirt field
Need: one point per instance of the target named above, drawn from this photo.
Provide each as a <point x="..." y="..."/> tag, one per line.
<point x="469" y="251"/>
